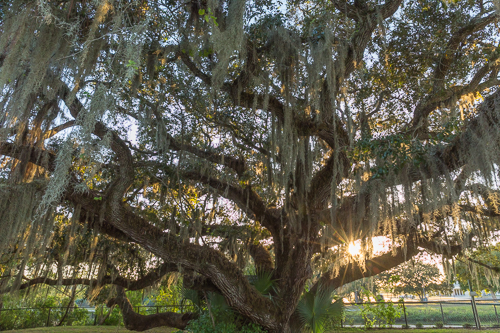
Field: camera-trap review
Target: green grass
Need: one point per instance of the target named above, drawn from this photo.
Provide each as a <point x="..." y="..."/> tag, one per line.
<point x="430" y="314"/>
<point x="414" y="330"/>
<point x="89" y="329"/>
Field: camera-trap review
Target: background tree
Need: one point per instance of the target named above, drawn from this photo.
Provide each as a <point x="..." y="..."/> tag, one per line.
<point x="481" y="267"/>
<point x="208" y="137"/>
<point x="413" y="277"/>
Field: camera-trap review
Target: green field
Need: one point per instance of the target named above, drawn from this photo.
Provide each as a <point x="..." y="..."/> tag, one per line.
<point x="430" y="314"/>
<point x="88" y="329"/>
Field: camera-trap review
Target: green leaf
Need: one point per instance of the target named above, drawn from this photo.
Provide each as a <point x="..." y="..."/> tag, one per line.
<point x="315" y="310"/>
<point x="201" y="11"/>
<point x="264" y="282"/>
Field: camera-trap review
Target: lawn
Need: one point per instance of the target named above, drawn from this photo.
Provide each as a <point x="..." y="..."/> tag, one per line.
<point x="454" y="314"/>
<point x="426" y="330"/>
<point x="110" y="329"/>
<point x="88" y="329"/>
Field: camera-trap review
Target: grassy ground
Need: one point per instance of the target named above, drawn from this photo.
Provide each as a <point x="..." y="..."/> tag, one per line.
<point x="430" y="314"/>
<point x="111" y="329"/>
<point x="413" y="330"/>
<point x="89" y="329"/>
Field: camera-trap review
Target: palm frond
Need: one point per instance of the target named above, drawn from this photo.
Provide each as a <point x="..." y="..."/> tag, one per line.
<point x="264" y="282"/>
<point x="317" y="310"/>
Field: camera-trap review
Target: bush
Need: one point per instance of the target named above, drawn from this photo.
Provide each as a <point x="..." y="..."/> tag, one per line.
<point x="382" y="313"/>
<point x="419" y="325"/>
<point x="467" y="325"/>
<point x="404" y="326"/>
<point x="220" y="319"/>
<point x="204" y="324"/>
<point x="439" y="324"/>
<point x="114" y="319"/>
<point x="496" y="326"/>
<point x="38" y="314"/>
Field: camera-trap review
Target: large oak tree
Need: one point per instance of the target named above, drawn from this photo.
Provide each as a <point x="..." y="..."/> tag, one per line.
<point x="145" y="137"/>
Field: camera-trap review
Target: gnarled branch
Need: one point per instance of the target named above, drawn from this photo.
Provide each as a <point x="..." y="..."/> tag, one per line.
<point x="137" y="322"/>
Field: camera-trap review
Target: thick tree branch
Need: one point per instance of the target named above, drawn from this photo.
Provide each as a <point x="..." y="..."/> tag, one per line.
<point x="148" y="280"/>
<point x="246" y="198"/>
<point x="424" y="108"/>
<point x="237" y="164"/>
<point x="137" y="322"/>
<point x="53" y="131"/>
<point x="35" y="155"/>
<point x="448" y="56"/>
<point x="353" y="271"/>
<point x="346" y="8"/>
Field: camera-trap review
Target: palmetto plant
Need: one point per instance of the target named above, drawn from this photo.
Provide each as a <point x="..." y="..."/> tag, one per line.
<point x="316" y="310"/>
<point x="264" y="282"/>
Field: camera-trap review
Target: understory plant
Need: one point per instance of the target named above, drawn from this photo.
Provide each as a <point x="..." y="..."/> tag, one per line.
<point x="381" y="313"/>
<point x="216" y="316"/>
<point x="319" y="310"/>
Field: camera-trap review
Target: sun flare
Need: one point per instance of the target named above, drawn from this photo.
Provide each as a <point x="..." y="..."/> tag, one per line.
<point x="354" y="249"/>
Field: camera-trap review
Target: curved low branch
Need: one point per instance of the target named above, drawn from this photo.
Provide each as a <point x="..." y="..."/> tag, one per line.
<point x="137" y="322"/>
<point x="146" y="281"/>
<point x="353" y="271"/>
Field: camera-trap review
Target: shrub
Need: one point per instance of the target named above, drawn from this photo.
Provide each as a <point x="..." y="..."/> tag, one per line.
<point x="404" y="326"/>
<point x="439" y="324"/>
<point x="251" y="328"/>
<point x="382" y="313"/>
<point x="496" y="325"/>
<point x="419" y="325"/>
<point x="467" y="325"/>
<point x="317" y="312"/>
<point x="204" y="324"/>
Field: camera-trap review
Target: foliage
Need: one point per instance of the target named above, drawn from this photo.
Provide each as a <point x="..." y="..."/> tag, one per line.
<point x="318" y="310"/>
<point x="264" y="283"/>
<point x="481" y="267"/>
<point x="114" y="319"/>
<point x="358" y="287"/>
<point x="419" y="325"/>
<point x="413" y="278"/>
<point x="439" y="324"/>
<point x="140" y="138"/>
<point x="380" y="313"/>
<point x="37" y="314"/>
<point x="222" y="322"/>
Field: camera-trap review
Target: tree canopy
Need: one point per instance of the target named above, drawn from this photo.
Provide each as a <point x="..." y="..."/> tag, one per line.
<point x="413" y="277"/>
<point x="480" y="268"/>
<point x="209" y="138"/>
